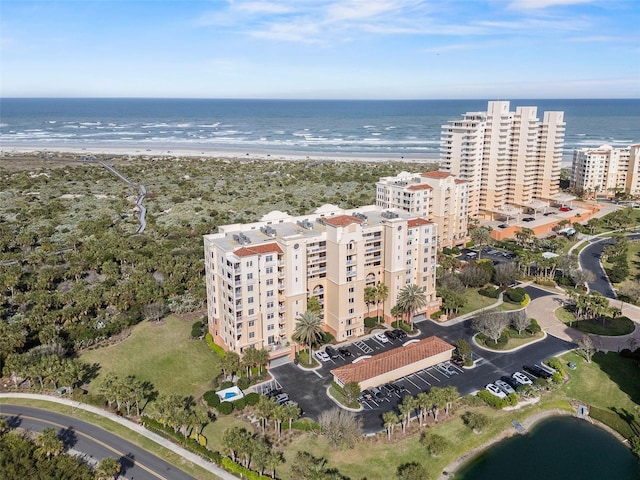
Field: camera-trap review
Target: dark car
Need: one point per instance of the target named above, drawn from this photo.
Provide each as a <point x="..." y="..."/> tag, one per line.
<point x="503" y="225"/>
<point x="332" y="352"/>
<point x="274" y="393"/>
<point x="528" y="219"/>
<point x="388" y="389"/>
<point x="546" y="214"/>
<point x="400" y="388"/>
<point x="391" y="335"/>
<point x="536" y="371"/>
<point x="400" y="333"/>
<point x="345" y="352"/>
<point x="510" y="381"/>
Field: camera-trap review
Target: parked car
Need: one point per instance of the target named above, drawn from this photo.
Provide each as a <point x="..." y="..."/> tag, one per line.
<point x="381" y="337"/>
<point x="528" y="219"/>
<point x="521" y="378"/>
<point x="274" y="393"/>
<point x="322" y="356"/>
<point x="294" y="404"/>
<point x="400" y="333"/>
<point x="503" y="225"/>
<point x="546" y="214"/>
<point x="390" y="334"/>
<point x="281" y="399"/>
<point x="345" y="352"/>
<point x="504" y="386"/>
<point x="365" y="395"/>
<point x="400" y="388"/>
<point x="388" y="389"/>
<point x="512" y="382"/>
<point x="565" y="209"/>
<point x="493" y="389"/>
<point x="537" y="371"/>
<point x="332" y="352"/>
<point x="378" y="394"/>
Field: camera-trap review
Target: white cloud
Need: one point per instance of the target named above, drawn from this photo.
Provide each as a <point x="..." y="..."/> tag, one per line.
<point x="540" y="4"/>
<point x="264" y="7"/>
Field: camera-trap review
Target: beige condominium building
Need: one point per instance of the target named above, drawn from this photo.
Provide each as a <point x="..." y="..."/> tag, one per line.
<point x="510" y="159"/>
<point x="605" y="171"/>
<point x="438" y="196"/>
<point x="260" y="275"/>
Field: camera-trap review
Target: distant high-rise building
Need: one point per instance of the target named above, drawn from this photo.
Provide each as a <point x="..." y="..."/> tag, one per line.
<point x="605" y="171"/>
<point x="510" y="159"/>
<point x="437" y="196"/>
<point x="261" y="275"/>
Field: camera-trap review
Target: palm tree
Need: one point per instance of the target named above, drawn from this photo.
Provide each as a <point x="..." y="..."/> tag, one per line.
<point x="48" y="443"/>
<point x="397" y="312"/>
<point x="107" y="469"/>
<point x="412" y="299"/>
<point x="390" y="419"/>
<point x="382" y="293"/>
<point x="424" y="403"/>
<point x="480" y="236"/>
<point x="308" y="330"/>
<point x="369" y="298"/>
<point x="274" y="459"/>
<point x="262" y="357"/>
<point x="250" y="358"/>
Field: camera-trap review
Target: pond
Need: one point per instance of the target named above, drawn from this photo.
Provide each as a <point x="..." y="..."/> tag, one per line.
<point x="558" y="448"/>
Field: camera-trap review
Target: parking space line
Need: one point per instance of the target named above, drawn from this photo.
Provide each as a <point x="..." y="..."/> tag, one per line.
<point x="430" y="374"/>
<point x="455" y="367"/>
<point x="411" y="382"/>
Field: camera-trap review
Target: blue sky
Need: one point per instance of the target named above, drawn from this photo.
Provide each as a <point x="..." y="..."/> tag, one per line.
<point x="440" y="49"/>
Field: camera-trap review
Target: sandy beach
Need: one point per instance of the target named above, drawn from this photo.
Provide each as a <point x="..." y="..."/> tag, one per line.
<point x="181" y="152"/>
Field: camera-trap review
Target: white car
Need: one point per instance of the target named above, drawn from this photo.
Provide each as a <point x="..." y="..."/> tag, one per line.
<point x="381" y="337"/>
<point x="504" y="386"/>
<point x="521" y="378"/>
<point x="322" y="356"/>
<point x="493" y="389"/>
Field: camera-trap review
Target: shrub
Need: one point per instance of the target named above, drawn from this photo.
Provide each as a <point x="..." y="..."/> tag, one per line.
<point x="212" y="399"/>
<point x="526" y="300"/>
<point x="437" y="315"/>
<point x="252" y="398"/>
<point x="556" y="364"/>
<point x="512" y="399"/>
<point x="225" y="408"/>
<point x="474" y="420"/>
<point x="305" y="425"/>
<point x="243" y="472"/>
<point x="213" y="346"/>
<point x="239" y="404"/>
<point x="492" y="400"/>
<point x="370" y="322"/>
<point x="533" y="327"/>
<point x="196" y="329"/>
<point x="226" y="384"/>
<point x="327" y="338"/>
<point x="489" y="292"/>
<point x="244" y="383"/>
<point x="403" y="325"/>
<point x="515" y="295"/>
<point x="435" y="444"/>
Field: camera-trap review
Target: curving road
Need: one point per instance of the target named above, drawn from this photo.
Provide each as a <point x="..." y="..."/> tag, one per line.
<point x="590" y="260"/>
<point x="94" y="442"/>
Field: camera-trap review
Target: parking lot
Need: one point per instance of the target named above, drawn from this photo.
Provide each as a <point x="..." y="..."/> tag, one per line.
<point x="308" y="388"/>
<point x="495" y="255"/>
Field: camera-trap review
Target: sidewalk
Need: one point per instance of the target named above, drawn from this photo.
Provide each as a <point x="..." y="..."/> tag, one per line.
<point x="192" y="457"/>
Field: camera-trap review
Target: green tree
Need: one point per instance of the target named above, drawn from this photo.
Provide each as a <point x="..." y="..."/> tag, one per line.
<point x="369" y="298"/>
<point x="381" y="295"/>
<point x="434" y="443"/>
<point x="390" y="420"/>
<point x="108" y="469"/>
<point x="48" y="443"/>
<point x="351" y="391"/>
<point x="411" y="471"/>
<point x="308" y="330"/>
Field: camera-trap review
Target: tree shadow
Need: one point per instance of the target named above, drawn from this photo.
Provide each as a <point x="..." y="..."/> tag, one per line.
<point x="629" y="418"/>
<point x="622" y="371"/>
<point x="126" y="462"/>
<point x="68" y="437"/>
<point x="91" y="373"/>
<point x="13" y="421"/>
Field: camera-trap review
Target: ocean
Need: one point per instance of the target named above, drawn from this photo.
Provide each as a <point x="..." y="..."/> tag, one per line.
<point x="407" y="128"/>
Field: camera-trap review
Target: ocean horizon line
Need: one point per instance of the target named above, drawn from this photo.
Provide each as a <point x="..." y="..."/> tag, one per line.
<point x="310" y="99"/>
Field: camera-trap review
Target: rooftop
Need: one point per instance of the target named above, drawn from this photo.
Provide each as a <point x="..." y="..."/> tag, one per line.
<point x="392" y="360"/>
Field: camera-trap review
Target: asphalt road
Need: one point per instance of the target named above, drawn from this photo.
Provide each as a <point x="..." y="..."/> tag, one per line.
<point x="308" y="388"/>
<point x="590" y="260"/>
<point x="94" y="442"/>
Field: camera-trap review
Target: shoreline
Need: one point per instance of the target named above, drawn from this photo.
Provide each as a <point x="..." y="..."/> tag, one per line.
<point x="451" y="470"/>
<point x="219" y="153"/>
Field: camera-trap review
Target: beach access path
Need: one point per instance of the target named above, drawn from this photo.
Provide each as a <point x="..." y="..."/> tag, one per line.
<point x="142" y="211"/>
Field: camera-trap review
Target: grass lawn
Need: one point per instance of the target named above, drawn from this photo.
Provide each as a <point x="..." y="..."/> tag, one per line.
<point x="611" y="327"/>
<point x="215" y="430"/>
<point x="163" y="354"/>
<point x="512" y="341"/>
<point x="475" y="301"/>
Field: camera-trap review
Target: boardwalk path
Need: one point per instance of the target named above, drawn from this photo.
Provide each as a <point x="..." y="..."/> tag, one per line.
<point x="143" y="193"/>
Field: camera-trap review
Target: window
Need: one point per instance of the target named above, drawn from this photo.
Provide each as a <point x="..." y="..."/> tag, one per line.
<point x="269" y="293"/>
<point x="269" y="270"/>
<point x="351" y="289"/>
<point x="251" y="323"/>
<point x="249" y="288"/>
<point x="351" y="311"/>
<point x="249" y="276"/>
<point x="269" y="316"/>
<point x="271" y="340"/>
<point x="269" y="281"/>
<point x="250" y="263"/>
<point x="269" y="304"/>
<point x="268" y="258"/>
<point x="250" y="300"/>
<point x="252" y="334"/>
<point x="251" y="312"/>
<point x="271" y="327"/>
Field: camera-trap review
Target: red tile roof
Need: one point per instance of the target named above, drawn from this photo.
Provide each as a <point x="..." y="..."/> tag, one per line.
<point x="457" y="180"/>
<point x="418" y="222"/>
<point x="420" y="187"/>
<point x="436" y="174"/>
<point x="341" y="220"/>
<point x="391" y="360"/>
<point x="258" y="250"/>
